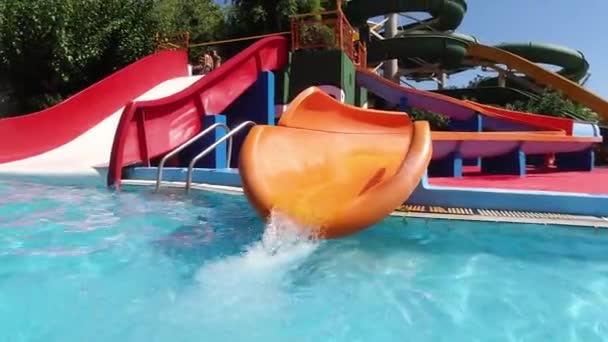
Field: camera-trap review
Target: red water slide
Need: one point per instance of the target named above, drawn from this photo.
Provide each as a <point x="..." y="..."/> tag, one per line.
<point x="148" y="129"/>
<point x="37" y="133"/>
<point x="456" y="108"/>
<point x="549" y="122"/>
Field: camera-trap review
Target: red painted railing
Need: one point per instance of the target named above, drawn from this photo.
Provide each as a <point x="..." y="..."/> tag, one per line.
<point x="327" y="30"/>
<point x="149" y="129"/>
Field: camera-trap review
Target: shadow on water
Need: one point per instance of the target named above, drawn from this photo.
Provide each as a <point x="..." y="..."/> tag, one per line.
<point x="224" y="225"/>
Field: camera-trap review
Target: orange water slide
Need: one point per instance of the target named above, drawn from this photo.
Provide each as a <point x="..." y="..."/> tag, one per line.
<point x="334" y="168"/>
<point x="338" y="169"/>
<point x="571" y="89"/>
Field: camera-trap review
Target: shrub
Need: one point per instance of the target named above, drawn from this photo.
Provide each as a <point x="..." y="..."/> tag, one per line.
<point x="438" y="122"/>
<point x="317" y="34"/>
<point x="552" y="103"/>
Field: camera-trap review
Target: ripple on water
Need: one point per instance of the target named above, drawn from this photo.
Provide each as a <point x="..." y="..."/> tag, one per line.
<point x="141" y="266"/>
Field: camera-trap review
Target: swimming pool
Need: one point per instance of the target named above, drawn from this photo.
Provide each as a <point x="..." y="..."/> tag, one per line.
<point x="87" y="264"/>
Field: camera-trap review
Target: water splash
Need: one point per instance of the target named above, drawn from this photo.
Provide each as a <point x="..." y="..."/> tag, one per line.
<point x="255" y="283"/>
<point x="282" y="234"/>
<point x="284" y="244"/>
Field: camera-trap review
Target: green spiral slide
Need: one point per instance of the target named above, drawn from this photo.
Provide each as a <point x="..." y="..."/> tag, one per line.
<point x="434" y="42"/>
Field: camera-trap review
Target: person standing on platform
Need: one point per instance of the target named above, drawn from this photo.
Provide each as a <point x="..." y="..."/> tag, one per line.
<point x="208" y="60"/>
<point x="205" y="64"/>
<point x="217" y="60"/>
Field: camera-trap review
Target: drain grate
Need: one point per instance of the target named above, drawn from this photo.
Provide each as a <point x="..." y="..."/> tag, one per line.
<point x="524" y="214"/>
<point x="493" y="213"/>
<point x="436" y="210"/>
<point x="417" y="208"/>
<point x="456" y="211"/>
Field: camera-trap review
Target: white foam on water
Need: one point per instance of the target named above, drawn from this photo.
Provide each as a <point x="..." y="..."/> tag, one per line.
<point x="284" y="244"/>
<point x="240" y="290"/>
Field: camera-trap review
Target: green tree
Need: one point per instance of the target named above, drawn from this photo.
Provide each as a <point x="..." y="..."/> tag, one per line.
<point x="268" y="16"/>
<point x="51" y="49"/>
<point x="477" y="81"/>
<point x="256" y="17"/>
<point x="203" y="19"/>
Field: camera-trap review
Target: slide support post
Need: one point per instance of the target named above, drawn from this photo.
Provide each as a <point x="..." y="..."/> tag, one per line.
<point x="512" y="163"/>
<point x="576" y="161"/>
<point x="474" y="124"/>
<point x="450" y="166"/>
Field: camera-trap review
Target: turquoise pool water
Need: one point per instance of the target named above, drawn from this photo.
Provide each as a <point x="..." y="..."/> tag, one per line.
<point x="86" y="264"/>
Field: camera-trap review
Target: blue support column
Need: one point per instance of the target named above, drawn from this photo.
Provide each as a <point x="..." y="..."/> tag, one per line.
<point x="216" y="159"/>
<point x="404" y="104"/>
<point x="512" y="163"/>
<point x="576" y="161"/>
<point x="474" y="124"/>
<point x="261" y="107"/>
<point x="450" y="166"/>
<point x="256" y="104"/>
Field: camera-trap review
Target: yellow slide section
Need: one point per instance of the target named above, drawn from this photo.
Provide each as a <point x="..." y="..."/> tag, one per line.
<point x="542" y="76"/>
<point x="333" y="168"/>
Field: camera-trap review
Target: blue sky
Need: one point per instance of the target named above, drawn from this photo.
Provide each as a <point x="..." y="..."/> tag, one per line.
<point x="579" y="25"/>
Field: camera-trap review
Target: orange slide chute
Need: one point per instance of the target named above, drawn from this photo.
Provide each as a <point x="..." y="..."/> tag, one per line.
<point x="332" y="167"/>
<point x="571" y="89"/>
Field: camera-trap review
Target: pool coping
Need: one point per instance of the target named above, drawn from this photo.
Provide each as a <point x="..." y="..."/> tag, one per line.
<point x="428" y="212"/>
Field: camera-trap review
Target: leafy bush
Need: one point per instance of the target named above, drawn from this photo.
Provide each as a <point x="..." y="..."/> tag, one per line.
<point x="552" y="103"/>
<point x="317" y="34"/>
<point x="438" y="122"/>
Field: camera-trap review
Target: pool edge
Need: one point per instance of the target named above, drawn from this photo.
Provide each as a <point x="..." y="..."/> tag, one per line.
<point x="518" y="217"/>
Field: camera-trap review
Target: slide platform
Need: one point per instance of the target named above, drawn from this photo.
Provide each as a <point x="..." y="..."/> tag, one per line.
<point x="74" y="137"/>
<point x="334" y="168"/>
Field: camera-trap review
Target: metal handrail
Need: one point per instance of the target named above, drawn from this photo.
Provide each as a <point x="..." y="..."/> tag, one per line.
<point x="159" y="172"/>
<point x="212" y="147"/>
